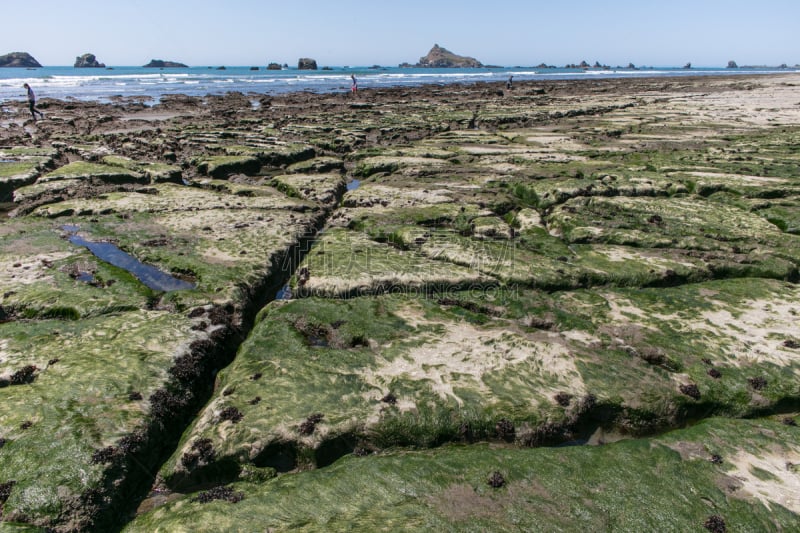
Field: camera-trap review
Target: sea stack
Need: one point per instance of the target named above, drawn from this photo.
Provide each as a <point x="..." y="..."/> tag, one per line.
<point x="88" y="61"/>
<point x="306" y="63"/>
<point x="440" y="57"/>
<point x="159" y="63"/>
<point x="19" y="60"/>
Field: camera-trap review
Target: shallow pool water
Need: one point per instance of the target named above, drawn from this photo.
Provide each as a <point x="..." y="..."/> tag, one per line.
<point x="149" y="275"/>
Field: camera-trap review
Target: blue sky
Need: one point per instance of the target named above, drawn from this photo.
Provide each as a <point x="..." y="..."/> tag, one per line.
<point x="387" y="32"/>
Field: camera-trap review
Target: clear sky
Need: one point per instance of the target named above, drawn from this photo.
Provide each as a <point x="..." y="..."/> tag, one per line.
<point x="389" y="32"/>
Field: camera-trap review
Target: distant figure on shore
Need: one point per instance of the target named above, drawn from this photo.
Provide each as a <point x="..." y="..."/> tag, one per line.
<point x="32" y="103"/>
<point x="510" y="83"/>
<point x="354" y="87"/>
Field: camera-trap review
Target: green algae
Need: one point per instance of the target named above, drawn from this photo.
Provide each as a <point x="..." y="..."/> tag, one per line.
<point x="20" y="167"/>
<point x="212" y="237"/>
<point x="445" y="373"/>
<point x="221" y="167"/>
<point x="345" y="263"/>
<point x="94" y="173"/>
<point x="79" y="401"/>
<point x="324" y="188"/>
<point x="389" y="164"/>
<point x="676" y="488"/>
<point x="156" y="172"/>
<point x="274" y="154"/>
<point x="319" y="165"/>
<point x="621" y="214"/>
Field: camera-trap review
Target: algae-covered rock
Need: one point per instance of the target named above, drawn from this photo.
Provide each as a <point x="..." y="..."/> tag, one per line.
<point x="409" y="370"/>
<point x="223" y="166"/>
<point x="156" y="172"/>
<point x="344" y="263"/>
<point x="372" y="165"/>
<point x="274" y="154"/>
<point x="579" y="261"/>
<point x="384" y="364"/>
<point x="78" y="403"/>
<point x="325" y="189"/>
<point x="20" y="166"/>
<point x="678" y="488"/>
<point x="94" y="173"/>
<point x="319" y="165"/>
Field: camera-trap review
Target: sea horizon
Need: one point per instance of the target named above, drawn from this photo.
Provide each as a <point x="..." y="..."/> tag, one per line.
<point x="150" y="84"/>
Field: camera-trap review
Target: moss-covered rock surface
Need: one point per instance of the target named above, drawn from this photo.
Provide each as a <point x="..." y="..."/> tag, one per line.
<point x="731" y="471"/>
<point x="391" y="314"/>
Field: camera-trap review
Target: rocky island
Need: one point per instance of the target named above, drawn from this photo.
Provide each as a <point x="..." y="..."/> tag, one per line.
<point x="88" y="61"/>
<point x="19" y="60"/>
<point x="306" y="63"/>
<point x="393" y="312"/>
<point x="439" y="57"/>
<point x="158" y="63"/>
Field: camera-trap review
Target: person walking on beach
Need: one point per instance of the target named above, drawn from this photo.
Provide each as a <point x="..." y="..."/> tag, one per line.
<point x="32" y="103"/>
<point x="354" y="87"/>
<point x="509" y="83"/>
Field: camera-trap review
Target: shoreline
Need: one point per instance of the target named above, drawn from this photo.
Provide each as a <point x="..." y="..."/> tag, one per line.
<point x="100" y="87"/>
<point x="421" y="87"/>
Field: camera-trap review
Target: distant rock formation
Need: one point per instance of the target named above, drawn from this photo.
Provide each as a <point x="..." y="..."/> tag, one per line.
<point x="440" y="57"/>
<point x="732" y="64"/>
<point x="274" y="66"/>
<point x="19" y="60"/>
<point x="582" y="64"/>
<point x="158" y="63"/>
<point x="306" y="63"/>
<point x="88" y="61"/>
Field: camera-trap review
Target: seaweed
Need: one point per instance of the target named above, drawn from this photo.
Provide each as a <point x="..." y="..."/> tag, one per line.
<point x="715" y="524"/>
<point x="691" y="390"/>
<point x="231" y="414"/>
<point x="563" y="399"/>
<point x="496" y="480"/>
<point x="389" y="398"/>
<point x="202" y="451"/>
<point x="5" y="490"/>
<point x="24" y="376"/>
<point x="166" y="405"/>
<point x="308" y="426"/>
<point x="219" y="493"/>
<point x="504" y="429"/>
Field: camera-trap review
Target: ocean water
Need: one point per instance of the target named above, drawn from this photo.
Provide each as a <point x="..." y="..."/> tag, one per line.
<point x="150" y="84"/>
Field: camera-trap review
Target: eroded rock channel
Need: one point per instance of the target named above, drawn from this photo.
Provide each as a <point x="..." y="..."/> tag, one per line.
<point x="398" y="305"/>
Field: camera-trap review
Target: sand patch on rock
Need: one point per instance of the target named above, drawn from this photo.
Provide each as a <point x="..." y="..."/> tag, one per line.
<point x="758" y="329"/>
<point x="370" y="194"/>
<point x="28" y="270"/>
<point x="739" y="178"/>
<point x="781" y="485"/>
<point x="460" y="355"/>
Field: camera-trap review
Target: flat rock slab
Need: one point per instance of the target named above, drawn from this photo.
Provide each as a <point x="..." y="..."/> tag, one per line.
<point x="678" y="488"/>
<point x="79" y="400"/>
<point x="407" y="370"/>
